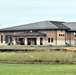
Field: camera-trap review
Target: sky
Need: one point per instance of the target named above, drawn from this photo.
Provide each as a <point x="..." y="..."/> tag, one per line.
<point x="18" y="12"/>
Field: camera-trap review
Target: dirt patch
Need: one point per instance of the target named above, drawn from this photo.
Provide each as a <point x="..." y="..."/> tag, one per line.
<point x="70" y="48"/>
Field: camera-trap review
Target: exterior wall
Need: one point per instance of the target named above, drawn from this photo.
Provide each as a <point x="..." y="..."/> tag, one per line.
<point x="38" y="40"/>
<point x="73" y="39"/>
<point x="25" y="41"/>
<point x="60" y="39"/>
<point x="7" y="33"/>
<point x="49" y="34"/>
<point x="3" y="39"/>
<point x="69" y="37"/>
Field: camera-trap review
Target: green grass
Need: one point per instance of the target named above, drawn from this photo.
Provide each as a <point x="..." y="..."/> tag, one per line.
<point x="37" y="69"/>
<point x="28" y="47"/>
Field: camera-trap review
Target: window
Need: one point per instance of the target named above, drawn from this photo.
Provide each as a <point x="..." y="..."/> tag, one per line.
<point x="48" y="39"/>
<point x="8" y="39"/>
<point x="61" y="35"/>
<point x="1" y="38"/>
<point x="41" y="41"/>
<point x="51" y="39"/>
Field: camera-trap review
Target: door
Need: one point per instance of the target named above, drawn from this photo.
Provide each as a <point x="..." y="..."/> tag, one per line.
<point x="8" y="39"/>
<point x="31" y="41"/>
<point x="41" y="41"/>
<point x="21" y="41"/>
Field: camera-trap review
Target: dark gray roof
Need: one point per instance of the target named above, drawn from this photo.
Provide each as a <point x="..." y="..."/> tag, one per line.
<point x="60" y="25"/>
<point x="32" y="26"/>
<point x="43" y="25"/>
<point x="30" y="34"/>
<point x="71" y="25"/>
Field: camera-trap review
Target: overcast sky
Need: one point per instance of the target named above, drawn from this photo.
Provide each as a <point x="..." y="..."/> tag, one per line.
<point x="17" y="12"/>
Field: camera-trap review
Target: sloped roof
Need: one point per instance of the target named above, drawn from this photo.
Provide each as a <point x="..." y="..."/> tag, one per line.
<point x="32" y="26"/>
<point x="30" y="34"/>
<point x="59" y="24"/>
<point x="43" y="25"/>
<point x="71" y="25"/>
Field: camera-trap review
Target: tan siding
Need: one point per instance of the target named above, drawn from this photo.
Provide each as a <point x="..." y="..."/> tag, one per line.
<point x="73" y="37"/>
<point x="3" y="36"/>
<point x="50" y="34"/>
<point x="67" y="34"/>
<point x="60" y="37"/>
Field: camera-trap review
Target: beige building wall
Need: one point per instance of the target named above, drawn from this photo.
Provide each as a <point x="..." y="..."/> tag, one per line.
<point x="49" y="34"/>
<point x="68" y="37"/>
<point x="3" y="39"/>
<point x="60" y="37"/>
<point x="8" y="33"/>
<point x="37" y="39"/>
<point x="73" y="38"/>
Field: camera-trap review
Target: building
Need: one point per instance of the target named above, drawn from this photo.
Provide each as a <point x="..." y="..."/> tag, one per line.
<point x="40" y="33"/>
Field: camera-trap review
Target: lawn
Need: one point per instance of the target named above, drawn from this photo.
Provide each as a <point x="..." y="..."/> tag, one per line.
<point x="37" y="69"/>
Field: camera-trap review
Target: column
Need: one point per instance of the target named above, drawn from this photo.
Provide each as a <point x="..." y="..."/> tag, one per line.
<point x="14" y="41"/>
<point x="38" y="40"/>
<point x="25" y="41"/>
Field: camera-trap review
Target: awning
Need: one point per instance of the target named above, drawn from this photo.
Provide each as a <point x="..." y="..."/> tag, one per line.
<point x="29" y="34"/>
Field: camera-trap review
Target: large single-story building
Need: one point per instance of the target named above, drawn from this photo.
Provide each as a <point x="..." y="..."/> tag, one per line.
<point x="40" y="33"/>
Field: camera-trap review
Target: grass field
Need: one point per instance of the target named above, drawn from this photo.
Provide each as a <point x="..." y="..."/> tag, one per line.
<point x="28" y="47"/>
<point x="48" y="56"/>
<point x="37" y="69"/>
<point x="60" y="62"/>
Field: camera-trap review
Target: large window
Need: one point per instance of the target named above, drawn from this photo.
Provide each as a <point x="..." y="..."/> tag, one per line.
<point x="48" y="39"/>
<point x="41" y="41"/>
<point x="52" y="40"/>
<point x="8" y="39"/>
<point x="1" y="38"/>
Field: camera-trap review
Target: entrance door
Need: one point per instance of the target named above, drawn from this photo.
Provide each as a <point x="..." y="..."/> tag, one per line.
<point x="31" y="41"/>
<point x="21" y="41"/>
<point x="41" y="41"/>
<point x="8" y="39"/>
